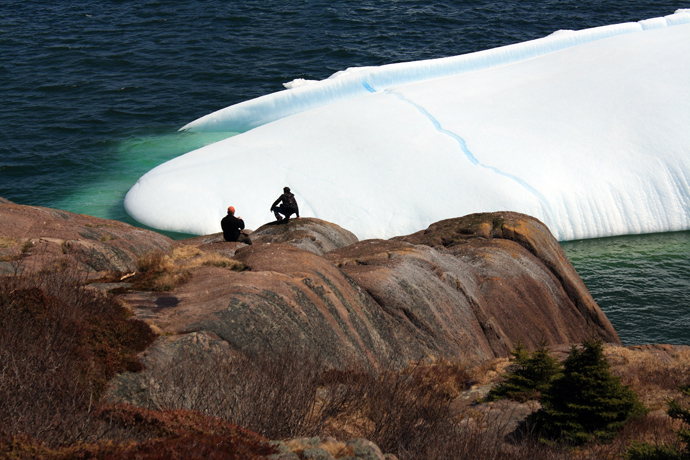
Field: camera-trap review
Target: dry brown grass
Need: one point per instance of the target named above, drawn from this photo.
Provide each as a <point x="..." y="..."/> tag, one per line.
<point x="347" y="425"/>
<point x="337" y="449"/>
<point x="155" y="261"/>
<point x="489" y="371"/>
<point x="158" y="271"/>
<point x="186" y="252"/>
<point x="216" y="260"/>
<point x="448" y="378"/>
<point x="654" y="372"/>
<point x="7" y="242"/>
<point x="191" y="257"/>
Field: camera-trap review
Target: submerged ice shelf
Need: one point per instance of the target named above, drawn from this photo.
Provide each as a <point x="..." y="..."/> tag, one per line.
<point x="587" y="131"/>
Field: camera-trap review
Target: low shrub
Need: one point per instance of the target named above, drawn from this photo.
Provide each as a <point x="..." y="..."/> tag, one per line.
<point x="291" y="393"/>
<point x="272" y="394"/>
<point x="646" y="451"/>
<point x="59" y="344"/>
<point x="406" y="411"/>
<point x="680" y="450"/>
<point x="135" y="433"/>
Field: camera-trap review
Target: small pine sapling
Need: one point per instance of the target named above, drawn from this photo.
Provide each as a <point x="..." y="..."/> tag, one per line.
<point x="586" y="402"/>
<point x="531" y="377"/>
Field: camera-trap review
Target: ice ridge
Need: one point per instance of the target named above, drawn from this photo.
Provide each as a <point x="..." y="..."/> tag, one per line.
<point x="592" y="139"/>
<point x="357" y="81"/>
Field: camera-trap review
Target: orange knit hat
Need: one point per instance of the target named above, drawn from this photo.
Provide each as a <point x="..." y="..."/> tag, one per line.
<point x="231" y="210"/>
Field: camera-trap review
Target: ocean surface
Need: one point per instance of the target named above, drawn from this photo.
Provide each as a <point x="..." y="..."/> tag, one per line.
<point x="93" y="93"/>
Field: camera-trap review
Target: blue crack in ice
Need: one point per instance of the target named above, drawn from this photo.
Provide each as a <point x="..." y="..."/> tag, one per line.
<point x="368" y="87"/>
<point x="468" y="153"/>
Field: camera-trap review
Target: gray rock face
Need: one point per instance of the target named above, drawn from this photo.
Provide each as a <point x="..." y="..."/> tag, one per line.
<point x="559" y="291"/>
<point x="287" y="297"/>
<point x="313" y="235"/>
<point x="467" y="288"/>
<point x="32" y="237"/>
<point x="310" y="234"/>
<point x="475" y="286"/>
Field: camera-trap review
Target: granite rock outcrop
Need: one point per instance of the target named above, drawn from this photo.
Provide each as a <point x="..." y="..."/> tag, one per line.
<point x="464" y="289"/>
<point x="475" y="286"/>
<point x="33" y="237"/>
<point x="310" y="234"/>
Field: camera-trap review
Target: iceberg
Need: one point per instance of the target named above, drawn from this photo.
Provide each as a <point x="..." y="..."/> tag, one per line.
<point x="589" y="131"/>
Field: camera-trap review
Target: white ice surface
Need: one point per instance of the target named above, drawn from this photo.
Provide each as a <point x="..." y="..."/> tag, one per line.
<point x="588" y="131"/>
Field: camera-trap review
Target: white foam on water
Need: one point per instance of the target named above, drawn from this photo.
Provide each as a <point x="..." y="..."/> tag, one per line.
<point x="587" y="131"/>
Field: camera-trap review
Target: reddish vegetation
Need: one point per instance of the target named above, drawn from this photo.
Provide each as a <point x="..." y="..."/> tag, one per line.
<point x="241" y="327"/>
<point x="60" y="343"/>
<point x="179" y="434"/>
<point x="135" y="433"/>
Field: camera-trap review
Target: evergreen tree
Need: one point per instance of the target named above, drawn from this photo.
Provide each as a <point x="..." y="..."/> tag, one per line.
<point x="586" y="402"/>
<point x="531" y="377"/>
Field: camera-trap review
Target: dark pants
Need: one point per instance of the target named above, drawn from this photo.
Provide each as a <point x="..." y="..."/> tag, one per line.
<point x="284" y="210"/>
<point x="244" y="239"/>
<point x="237" y="236"/>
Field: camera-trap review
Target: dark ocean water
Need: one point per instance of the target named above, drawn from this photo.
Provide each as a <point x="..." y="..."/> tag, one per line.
<point x="642" y="282"/>
<point x="93" y="93"/>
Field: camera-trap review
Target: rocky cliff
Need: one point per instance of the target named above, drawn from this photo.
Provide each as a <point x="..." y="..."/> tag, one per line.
<point x="32" y="237"/>
<point x="464" y="289"/>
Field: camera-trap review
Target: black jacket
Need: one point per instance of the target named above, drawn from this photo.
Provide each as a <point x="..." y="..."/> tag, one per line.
<point x="289" y="203"/>
<point x="232" y="226"/>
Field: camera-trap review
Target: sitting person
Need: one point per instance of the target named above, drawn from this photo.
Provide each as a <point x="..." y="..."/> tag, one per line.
<point x="232" y="228"/>
<point x="288" y="206"/>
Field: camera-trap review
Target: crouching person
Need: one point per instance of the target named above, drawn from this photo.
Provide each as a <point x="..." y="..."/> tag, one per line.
<point x="288" y="206"/>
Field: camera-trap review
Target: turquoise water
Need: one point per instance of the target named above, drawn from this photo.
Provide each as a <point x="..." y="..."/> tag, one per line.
<point x="132" y="158"/>
<point x="93" y="93"/>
